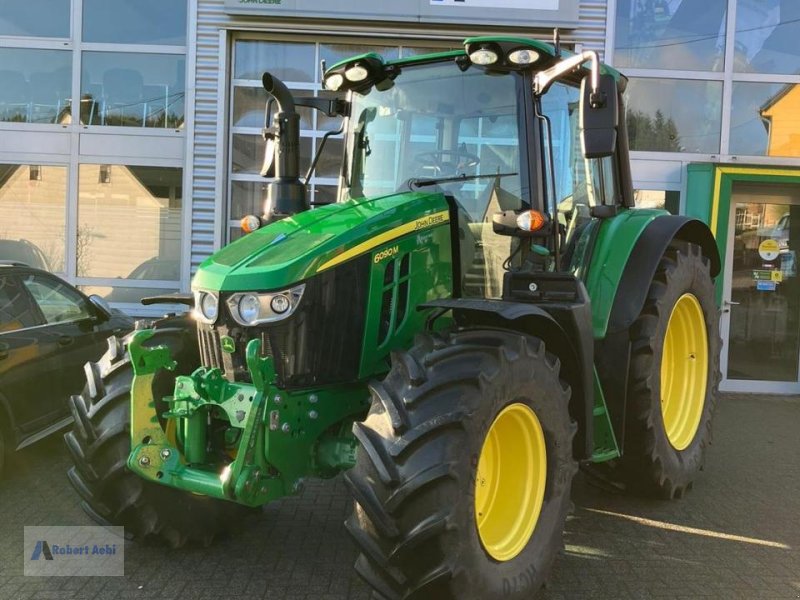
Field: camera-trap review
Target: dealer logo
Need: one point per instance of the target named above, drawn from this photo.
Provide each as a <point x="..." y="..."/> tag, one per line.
<point x="42" y="550"/>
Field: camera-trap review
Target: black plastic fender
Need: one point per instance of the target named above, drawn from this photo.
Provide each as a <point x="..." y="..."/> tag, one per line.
<point x="644" y="259"/>
<point x="564" y="327"/>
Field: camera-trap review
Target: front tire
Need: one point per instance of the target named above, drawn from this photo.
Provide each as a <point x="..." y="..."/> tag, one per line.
<point x="449" y="409"/>
<point x="100" y="444"/>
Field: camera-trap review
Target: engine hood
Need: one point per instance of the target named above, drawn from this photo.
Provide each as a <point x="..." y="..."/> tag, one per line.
<point x="289" y="251"/>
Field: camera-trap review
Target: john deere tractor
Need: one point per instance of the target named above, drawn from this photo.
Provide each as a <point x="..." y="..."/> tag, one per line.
<point x="482" y="311"/>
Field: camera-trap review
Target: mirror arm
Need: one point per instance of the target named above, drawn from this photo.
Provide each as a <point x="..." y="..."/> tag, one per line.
<point x="319" y="151"/>
<point x="331" y="107"/>
<point x="544" y="79"/>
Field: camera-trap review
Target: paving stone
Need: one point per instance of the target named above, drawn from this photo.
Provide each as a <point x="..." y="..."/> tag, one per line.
<point x="298" y="549"/>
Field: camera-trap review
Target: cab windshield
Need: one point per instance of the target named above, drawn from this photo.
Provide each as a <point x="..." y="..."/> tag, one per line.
<point x="434" y="124"/>
<point x="443" y="130"/>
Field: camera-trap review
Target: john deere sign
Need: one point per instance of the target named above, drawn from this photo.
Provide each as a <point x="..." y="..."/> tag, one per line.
<point x="522" y="13"/>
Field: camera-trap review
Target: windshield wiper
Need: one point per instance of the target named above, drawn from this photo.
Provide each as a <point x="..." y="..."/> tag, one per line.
<point x="428" y="181"/>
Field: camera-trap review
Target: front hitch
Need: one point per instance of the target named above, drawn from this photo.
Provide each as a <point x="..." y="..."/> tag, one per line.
<point x="176" y="453"/>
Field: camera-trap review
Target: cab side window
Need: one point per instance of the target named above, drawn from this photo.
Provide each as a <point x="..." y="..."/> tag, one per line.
<point x="57" y="302"/>
<point x="16" y="309"/>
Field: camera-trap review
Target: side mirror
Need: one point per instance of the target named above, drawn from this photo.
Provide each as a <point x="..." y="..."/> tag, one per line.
<point x="599" y="116"/>
<point x="101" y="307"/>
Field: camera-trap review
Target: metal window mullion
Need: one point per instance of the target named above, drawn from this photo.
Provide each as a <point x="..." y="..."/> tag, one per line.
<point x="130" y="283"/>
<point x="727" y="85"/>
<point x="611" y="30"/>
<point x="668" y="74"/>
<point x="765" y="78"/>
<point x="187" y="199"/>
<point x="223" y="167"/>
<point x="36" y="43"/>
<point x="131" y="48"/>
<point x="292" y="85"/>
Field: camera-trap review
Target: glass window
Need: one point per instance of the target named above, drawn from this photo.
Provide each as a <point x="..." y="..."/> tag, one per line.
<point x="674" y="115"/>
<point x="686" y="35"/>
<point x="668" y="200"/>
<point x="129" y="222"/>
<point x="247" y="153"/>
<point x="135" y="90"/>
<point x="40" y="18"/>
<point x="35" y="85"/>
<point x="139" y="22"/>
<point x="767" y="33"/>
<point x="126" y="294"/>
<point x="579" y="183"/>
<point x="33" y="204"/>
<point x="16" y="307"/>
<point x="249" y="104"/>
<point x="287" y="61"/>
<point x="57" y="301"/>
<point x="765" y="119"/>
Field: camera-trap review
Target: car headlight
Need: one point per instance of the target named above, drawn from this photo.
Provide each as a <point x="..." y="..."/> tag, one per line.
<point x="254" y="309"/>
<point x="206" y="306"/>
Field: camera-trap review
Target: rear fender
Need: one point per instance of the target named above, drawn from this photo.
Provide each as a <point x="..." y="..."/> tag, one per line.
<point x="562" y="337"/>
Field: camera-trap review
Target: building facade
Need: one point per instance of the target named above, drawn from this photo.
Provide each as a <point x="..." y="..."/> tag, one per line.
<point x="130" y="132"/>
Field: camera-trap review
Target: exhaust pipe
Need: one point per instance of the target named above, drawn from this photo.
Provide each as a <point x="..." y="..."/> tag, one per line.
<point x="286" y="195"/>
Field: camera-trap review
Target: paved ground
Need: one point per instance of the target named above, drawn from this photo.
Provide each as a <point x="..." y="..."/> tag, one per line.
<point x="737" y="535"/>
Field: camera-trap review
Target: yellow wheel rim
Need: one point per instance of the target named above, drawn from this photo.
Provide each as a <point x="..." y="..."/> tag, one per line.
<point x="510" y="482"/>
<point x="684" y="371"/>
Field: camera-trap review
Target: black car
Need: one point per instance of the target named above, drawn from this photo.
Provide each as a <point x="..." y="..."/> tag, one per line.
<point x="48" y="331"/>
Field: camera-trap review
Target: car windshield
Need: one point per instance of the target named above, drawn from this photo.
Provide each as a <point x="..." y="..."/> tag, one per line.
<point x="437" y="123"/>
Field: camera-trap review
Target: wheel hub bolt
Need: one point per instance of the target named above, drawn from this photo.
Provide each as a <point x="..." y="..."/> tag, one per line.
<point x="313" y="415"/>
<point x="144" y="461"/>
<point x="286" y="428"/>
<point x="165" y="454"/>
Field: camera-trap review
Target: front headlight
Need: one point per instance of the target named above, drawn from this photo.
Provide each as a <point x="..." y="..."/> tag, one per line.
<point x="206" y="306"/>
<point x="254" y="309"/>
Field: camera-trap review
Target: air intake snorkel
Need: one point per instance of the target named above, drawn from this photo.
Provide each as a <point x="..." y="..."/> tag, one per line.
<point x="286" y="194"/>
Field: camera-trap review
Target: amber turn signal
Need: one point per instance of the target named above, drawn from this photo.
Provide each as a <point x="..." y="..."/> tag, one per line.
<point x="531" y="220"/>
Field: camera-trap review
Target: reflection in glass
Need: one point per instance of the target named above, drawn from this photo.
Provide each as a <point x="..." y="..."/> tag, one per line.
<point x="764" y="339"/>
<point x="671" y="34"/>
<point x="32" y="225"/>
<point x="143" y="200"/>
<point x="667" y="200"/>
<point x="767" y="35"/>
<point x="765" y="119"/>
<point x="35" y="85"/>
<point x="325" y="194"/>
<point x="330" y="160"/>
<point x="130" y="295"/>
<point x="675" y="115"/>
<point x="41" y="18"/>
<point x="139" y="22"/>
<point x="247" y="198"/>
<point x="247" y="153"/>
<point x="133" y="90"/>
<point x="249" y="104"/>
<point x="290" y="62"/>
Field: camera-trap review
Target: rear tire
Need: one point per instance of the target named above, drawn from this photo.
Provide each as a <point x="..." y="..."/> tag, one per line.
<point x="416" y="475"/>
<point x="99" y="444"/>
<point x="662" y="455"/>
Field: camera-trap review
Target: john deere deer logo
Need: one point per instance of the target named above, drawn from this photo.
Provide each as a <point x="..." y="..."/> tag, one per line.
<point x="228" y="344"/>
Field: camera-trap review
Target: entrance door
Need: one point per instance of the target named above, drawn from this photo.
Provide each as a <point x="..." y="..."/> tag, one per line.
<point x="761" y="293"/>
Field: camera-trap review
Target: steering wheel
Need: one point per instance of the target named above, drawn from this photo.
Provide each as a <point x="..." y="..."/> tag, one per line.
<point x="447" y="162"/>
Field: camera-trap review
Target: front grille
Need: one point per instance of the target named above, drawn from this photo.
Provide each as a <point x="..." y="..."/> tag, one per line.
<point x="210" y="346"/>
<point x="319" y="344"/>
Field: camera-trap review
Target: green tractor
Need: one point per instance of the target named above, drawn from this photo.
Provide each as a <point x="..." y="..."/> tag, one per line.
<point x="481" y="312"/>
